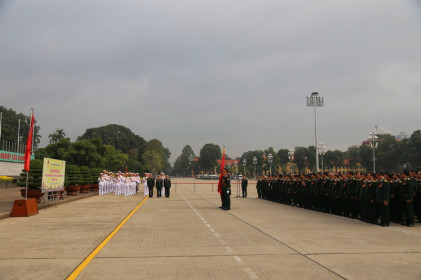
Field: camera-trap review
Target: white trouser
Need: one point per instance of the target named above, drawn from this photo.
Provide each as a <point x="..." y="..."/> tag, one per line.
<point x="145" y="190"/>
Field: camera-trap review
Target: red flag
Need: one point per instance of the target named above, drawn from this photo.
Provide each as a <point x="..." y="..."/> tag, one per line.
<point x="29" y="144"/>
<point x="220" y="172"/>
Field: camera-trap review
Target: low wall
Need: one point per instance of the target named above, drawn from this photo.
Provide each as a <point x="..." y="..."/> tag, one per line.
<point x="7" y="185"/>
<point x="11" y="169"/>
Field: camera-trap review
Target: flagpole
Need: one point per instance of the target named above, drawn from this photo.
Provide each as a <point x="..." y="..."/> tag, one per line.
<point x="1" y="119"/>
<point x="17" y="150"/>
<point x="28" y="159"/>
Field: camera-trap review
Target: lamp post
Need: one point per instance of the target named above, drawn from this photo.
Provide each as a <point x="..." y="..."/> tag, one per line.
<point x="254" y="163"/>
<point x="290" y="156"/>
<point x="374" y="142"/>
<point x="236" y="167"/>
<point x="315" y="101"/>
<point x="244" y="164"/>
<point x="322" y="151"/>
<point x="190" y="165"/>
<point x="270" y="158"/>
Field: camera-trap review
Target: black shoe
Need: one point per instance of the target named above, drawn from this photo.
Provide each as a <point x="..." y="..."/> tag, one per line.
<point x="221" y="207"/>
<point x="384" y="225"/>
<point x="410" y="225"/>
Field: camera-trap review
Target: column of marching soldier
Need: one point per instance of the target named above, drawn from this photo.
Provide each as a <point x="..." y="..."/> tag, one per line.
<point x="128" y="184"/>
<point x="376" y="198"/>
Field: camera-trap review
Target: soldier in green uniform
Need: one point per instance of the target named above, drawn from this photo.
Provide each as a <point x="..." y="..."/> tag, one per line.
<point x="407" y="198"/>
<point x="417" y="198"/>
<point x="372" y="208"/>
<point x="167" y="185"/>
<point x="396" y="208"/>
<point x="383" y="198"/>
<point x="364" y="199"/>
<point x="151" y="184"/>
<point x="226" y="190"/>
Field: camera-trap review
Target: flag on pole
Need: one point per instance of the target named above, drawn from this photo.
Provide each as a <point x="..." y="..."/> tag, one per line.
<point x="1" y="118"/>
<point x="220" y="172"/>
<point x="29" y="143"/>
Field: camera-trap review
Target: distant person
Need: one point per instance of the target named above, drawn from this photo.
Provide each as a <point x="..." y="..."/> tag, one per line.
<point x="244" y="184"/>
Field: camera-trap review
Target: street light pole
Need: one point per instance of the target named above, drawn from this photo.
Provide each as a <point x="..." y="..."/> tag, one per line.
<point x="315" y="101"/>
<point x="290" y="156"/>
<point x="244" y="164"/>
<point x="270" y="158"/>
<point x="322" y="150"/>
<point x="374" y="141"/>
<point x="254" y="163"/>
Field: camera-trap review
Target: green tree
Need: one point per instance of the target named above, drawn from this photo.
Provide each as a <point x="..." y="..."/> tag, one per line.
<point x="121" y="137"/>
<point x="86" y="175"/>
<point x="10" y="125"/>
<point x="333" y="159"/>
<point x="366" y="156"/>
<point x="58" y="135"/>
<point x="183" y="165"/>
<point x="153" y="161"/>
<point x="251" y="168"/>
<point x="209" y="154"/>
<point x="414" y="147"/>
<point x="388" y="154"/>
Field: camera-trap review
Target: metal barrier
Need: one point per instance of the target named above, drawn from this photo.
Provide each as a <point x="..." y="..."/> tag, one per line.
<point x="236" y="182"/>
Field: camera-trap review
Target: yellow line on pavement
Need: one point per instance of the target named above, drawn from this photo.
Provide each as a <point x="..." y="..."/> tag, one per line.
<point x="89" y="258"/>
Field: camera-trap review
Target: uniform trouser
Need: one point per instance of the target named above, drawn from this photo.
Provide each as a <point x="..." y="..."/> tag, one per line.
<point x="396" y="210"/>
<point x="150" y="191"/>
<point x="226" y="200"/>
<point x="409" y="212"/>
<point x="158" y="192"/>
<point x="145" y="190"/>
<point x="372" y="213"/>
<point x="355" y="206"/>
<point x="167" y="192"/>
<point x="364" y="211"/>
<point x="384" y="213"/>
<point x="244" y="190"/>
<point x="259" y="193"/>
<point x="417" y="206"/>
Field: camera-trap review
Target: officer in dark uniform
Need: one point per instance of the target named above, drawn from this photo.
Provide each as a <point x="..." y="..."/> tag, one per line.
<point x="226" y="190"/>
<point x="159" y="185"/>
<point x="383" y="198"/>
<point x="407" y="198"/>
<point x="167" y="186"/>
<point x="151" y="184"/>
<point x="244" y="184"/>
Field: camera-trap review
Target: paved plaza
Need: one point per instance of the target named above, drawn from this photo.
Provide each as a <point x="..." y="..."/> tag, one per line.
<point x="187" y="236"/>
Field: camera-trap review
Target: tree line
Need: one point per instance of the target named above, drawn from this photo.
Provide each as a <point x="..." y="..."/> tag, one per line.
<point x="391" y="155"/>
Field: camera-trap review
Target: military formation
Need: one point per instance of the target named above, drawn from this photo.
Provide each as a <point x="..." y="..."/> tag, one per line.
<point x="118" y="183"/>
<point x="127" y="184"/>
<point x="377" y="198"/>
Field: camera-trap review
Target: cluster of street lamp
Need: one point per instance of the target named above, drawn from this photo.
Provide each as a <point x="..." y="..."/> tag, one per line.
<point x="316" y="101"/>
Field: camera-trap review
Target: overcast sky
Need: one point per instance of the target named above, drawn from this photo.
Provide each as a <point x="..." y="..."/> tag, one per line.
<point x="225" y="72"/>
